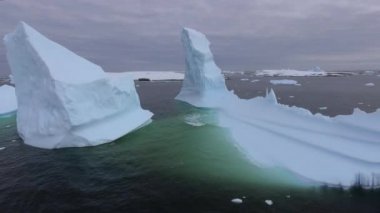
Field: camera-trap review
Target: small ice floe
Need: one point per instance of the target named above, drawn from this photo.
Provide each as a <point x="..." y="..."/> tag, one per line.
<point x="322" y="108"/>
<point x="237" y="201"/>
<point x="255" y="80"/>
<point x="288" y="196"/>
<point x="8" y="126"/>
<point x="284" y="82"/>
<point x="291" y="96"/>
<point x="13" y="140"/>
<point x="269" y="202"/>
<point x="370" y="84"/>
<point x="360" y="103"/>
<point x="369" y="72"/>
<point x="194" y="120"/>
<point x="244" y="79"/>
<point x="2" y="148"/>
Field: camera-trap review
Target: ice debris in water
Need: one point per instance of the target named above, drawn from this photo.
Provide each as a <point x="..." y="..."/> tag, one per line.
<point x="237" y="201"/>
<point x="284" y="82"/>
<point x="269" y="202"/>
<point x="317" y="148"/>
<point x="65" y="100"/>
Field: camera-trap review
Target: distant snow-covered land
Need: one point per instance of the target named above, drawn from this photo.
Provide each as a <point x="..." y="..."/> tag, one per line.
<point x="290" y="72"/>
<point x="153" y="75"/>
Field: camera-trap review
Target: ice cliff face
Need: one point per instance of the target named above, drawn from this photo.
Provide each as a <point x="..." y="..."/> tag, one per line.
<point x="203" y="78"/>
<point x="338" y="151"/>
<point x="8" y="101"/>
<point x="65" y="100"/>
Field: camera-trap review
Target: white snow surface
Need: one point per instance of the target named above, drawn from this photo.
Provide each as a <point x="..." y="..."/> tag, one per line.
<point x="63" y="99"/>
<point x="284" y="82"/>
<point x="323" y="150"/>
<point x="289" y="72"/>
<point x="8" y="100"/>
<point x="153" y="75"/>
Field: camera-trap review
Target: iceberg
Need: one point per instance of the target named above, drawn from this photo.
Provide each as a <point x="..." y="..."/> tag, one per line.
<point x="338" y="151"/>
<point x="8" y="101"/>
<point x="204" y="80"/>
<point x="65" y="100"/>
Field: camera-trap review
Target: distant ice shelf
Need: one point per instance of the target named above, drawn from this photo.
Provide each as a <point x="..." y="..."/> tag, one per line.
<point x="339" y="151"/>
<point x="152" y="75"/>
<point x="289" y="72"/>
<point x="65" y="100"/>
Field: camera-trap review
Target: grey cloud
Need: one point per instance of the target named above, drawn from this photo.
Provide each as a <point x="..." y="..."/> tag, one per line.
<point x="144" y="34"/>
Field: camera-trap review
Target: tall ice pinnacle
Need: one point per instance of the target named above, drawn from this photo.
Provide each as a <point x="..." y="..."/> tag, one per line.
<point x="203" y="78"/>
<point x="65" y="100"/>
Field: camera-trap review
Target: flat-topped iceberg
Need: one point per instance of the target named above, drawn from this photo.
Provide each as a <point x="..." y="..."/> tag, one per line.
<point x="65" y="100"/>
<point x="336" y="151"/>
<point x="8" y="101"/>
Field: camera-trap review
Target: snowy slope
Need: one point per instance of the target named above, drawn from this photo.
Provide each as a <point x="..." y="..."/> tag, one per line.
<point x="65" y="100"/>
<point x="326" y="150"/>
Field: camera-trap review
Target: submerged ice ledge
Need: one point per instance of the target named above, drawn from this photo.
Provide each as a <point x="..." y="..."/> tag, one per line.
<point x="65" y="100"/>
<point x="334" y="151"/>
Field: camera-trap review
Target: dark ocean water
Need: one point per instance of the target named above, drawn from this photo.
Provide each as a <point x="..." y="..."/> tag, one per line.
<point x="171" y="166"/>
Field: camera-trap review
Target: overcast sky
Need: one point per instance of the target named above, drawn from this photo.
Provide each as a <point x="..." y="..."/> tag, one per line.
<point x="125" y="35"/>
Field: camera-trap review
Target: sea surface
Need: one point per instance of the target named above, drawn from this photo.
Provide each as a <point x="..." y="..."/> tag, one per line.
<point x="182" y="161"/>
